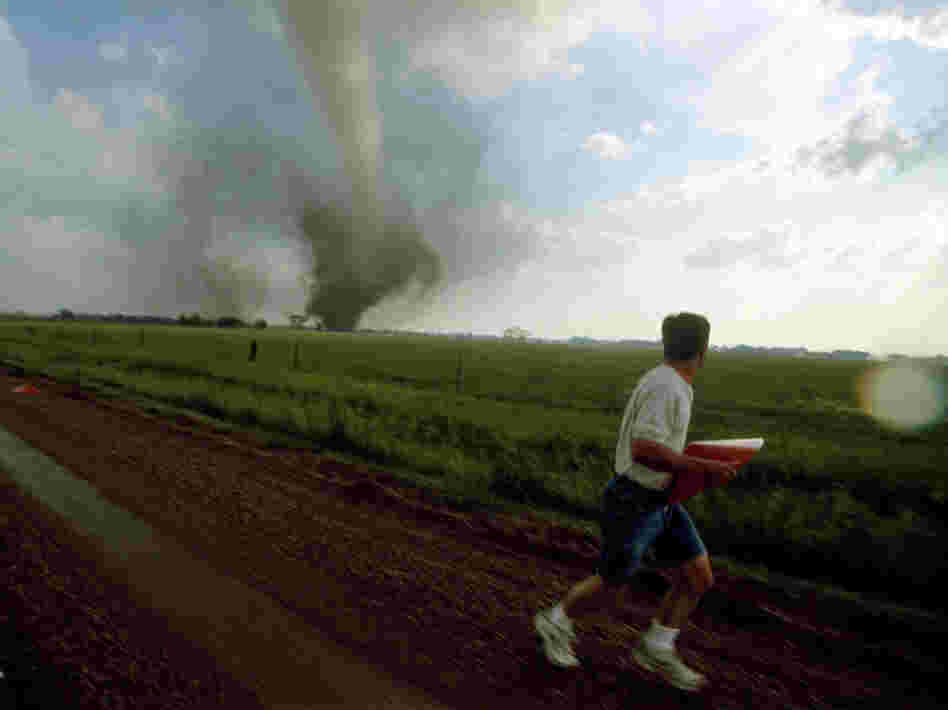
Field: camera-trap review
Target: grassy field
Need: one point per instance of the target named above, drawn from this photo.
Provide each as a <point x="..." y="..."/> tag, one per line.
<point x="833" y="497"/>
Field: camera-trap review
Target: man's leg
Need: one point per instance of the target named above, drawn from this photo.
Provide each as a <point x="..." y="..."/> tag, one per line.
<point x="692" y="580"/>
<point x="587" y="595"/>
<point x="555" y="626"/>
<point x="689" y="584"/>
<point x="655" y="650"/>
<point x="627" y="530"/>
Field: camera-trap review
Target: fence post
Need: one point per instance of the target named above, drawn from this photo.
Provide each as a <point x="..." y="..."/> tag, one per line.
<point x="460" y="372"/>
<point x="253" y="351"/>
<point x="141" y="338"/>
<point x="296" y="355"/>
<point x="576" y="474"/>
<point x="337" y="424"/>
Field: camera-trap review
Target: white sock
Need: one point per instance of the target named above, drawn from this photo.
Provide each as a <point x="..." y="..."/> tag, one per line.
<point x="557" y="615"/>
<point x="659" y="636"/>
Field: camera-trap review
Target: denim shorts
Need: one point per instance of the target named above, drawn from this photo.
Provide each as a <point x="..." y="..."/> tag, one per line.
<point x="640" y="527"/>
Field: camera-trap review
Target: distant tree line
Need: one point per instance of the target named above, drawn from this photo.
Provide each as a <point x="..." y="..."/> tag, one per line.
<point x="192" y="319"/>
<point x="798" y="352"/>
<point x="195" y="319"/>
<point x="67" y="314"/>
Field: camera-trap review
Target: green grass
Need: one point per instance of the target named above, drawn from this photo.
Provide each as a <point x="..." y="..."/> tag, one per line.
<point x="833" y="496"/>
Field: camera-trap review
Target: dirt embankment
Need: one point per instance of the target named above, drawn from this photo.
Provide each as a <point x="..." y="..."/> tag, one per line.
<point x="439" y="597"/>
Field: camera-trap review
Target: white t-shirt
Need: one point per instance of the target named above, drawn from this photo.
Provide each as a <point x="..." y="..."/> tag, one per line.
<point x="659" y="410"/>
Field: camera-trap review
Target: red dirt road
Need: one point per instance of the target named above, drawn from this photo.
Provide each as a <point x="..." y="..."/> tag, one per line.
<point x="440" y="598"/>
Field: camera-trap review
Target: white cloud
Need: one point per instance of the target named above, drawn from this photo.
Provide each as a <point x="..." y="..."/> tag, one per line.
<point x="14" y="70"/>
<point x="609" y="146"/>
<point x="483" y="56"/>
<point x="162" y="56"/>
<point x="707" y="34"/>
<point x="82" y="113"/>
<point x="648" y="128"/>
<point x="830" y="218"/>
<point x="572" y="249"/>
<point x="867" y="145"/>
<point x="514" y="260"/>
<point x="569" y="245"/>
<point x="263" y="17"/>
<point x="771" y="241"/>
<point x="157" y="103"/>
<point x="769" y="249"/>
<point x="106" y="154"/>
<point x="521" y="236"/>
<point x="114" y="51"/>
<point x="120" y="159"/>
<point x="775" y="254"/>
<point x="762" y="93"/>
<point x="928" y="27"/>
<point x="55" y="259"/>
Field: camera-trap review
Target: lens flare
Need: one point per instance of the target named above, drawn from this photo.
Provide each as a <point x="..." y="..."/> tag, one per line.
<point x="903" y="396"/>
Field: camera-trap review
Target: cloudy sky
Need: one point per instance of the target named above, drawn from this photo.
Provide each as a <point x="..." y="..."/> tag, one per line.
<point x="583" y="168"/>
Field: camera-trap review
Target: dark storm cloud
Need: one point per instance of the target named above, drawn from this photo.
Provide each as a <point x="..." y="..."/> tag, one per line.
<point x="377" y="186"/>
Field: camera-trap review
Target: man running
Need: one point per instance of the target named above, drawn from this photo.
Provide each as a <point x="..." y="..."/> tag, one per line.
<point x="636" y="514"/>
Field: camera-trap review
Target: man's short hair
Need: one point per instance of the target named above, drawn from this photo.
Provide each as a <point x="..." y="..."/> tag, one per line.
<point x="685" y="335"/>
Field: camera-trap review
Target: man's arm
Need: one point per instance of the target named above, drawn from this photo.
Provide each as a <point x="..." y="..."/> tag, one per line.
<point x="659" y="457"/>
<point x="690" y="474"/>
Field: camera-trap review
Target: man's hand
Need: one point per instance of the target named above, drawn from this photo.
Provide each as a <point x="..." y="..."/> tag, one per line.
<point x="720" y="472"/>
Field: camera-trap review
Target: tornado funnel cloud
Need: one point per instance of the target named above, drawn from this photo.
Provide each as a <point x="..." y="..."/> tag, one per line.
<point x="364" y="254"/>
<point x="353" y="273"/>
<point x="361" y="254"/>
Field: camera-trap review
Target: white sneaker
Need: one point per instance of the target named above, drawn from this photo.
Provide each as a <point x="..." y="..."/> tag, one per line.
<point x="667" y="664"/>
<point x="557" y="638"/>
